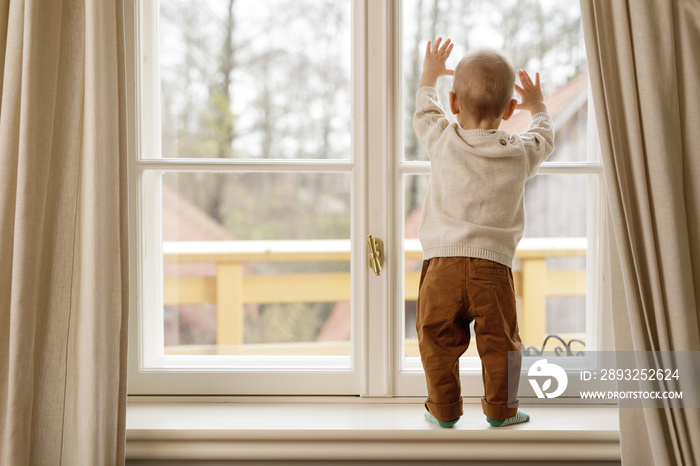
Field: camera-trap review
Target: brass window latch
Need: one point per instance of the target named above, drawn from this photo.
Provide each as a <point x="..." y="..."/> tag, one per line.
<point x="375" y="249"/>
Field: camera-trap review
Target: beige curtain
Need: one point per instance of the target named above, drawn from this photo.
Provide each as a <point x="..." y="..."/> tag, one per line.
<point x="645" y="68"/>
<point x="63" y="249"/>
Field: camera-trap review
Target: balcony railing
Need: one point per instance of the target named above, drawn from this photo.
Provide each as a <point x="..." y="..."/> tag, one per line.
<point x="230" y="288"/>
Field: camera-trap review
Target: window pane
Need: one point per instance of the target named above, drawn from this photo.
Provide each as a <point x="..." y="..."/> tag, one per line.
<point x="263" y="79"/>
<point x="536" y="36"/>
<point x="256" y="263"/>
<point x="414" y="189"/>
<point x="549" y="269"/>
<point x="551" y="263"/>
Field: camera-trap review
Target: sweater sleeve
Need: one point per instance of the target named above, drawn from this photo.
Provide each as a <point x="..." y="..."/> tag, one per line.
<point x="430" y="120"/>
<point x="538" y="141"/>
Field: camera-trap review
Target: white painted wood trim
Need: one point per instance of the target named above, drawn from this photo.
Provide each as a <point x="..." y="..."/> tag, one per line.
<point x="379" y="196"/>
<point x="247" y="166"/>
<point x="364" y="431"/>
<point x="547" y="168"/>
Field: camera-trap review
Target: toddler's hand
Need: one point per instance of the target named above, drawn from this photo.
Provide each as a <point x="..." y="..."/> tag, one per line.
<point x="531" y="94"/>
<point x="434" y="62"/>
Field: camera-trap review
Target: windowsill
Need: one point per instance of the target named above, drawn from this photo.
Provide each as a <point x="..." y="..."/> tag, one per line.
<point x="362" y="431"/>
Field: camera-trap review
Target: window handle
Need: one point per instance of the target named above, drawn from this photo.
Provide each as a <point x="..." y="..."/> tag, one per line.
<point x="375" y="248"/>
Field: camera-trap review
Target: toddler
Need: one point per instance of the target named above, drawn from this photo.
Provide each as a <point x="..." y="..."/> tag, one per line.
<point x="472" y="222"/>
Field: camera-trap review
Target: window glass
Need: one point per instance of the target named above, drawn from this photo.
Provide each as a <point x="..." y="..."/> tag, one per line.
<point x="550" y="266"/>
<point x="264" y="268"/>
<point x="543" y="36"/>
<point x="262" y="79"/>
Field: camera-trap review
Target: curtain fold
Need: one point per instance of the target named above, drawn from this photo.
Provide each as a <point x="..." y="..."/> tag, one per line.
<point x="644" y="71"/>
<point x="63" y="232"/>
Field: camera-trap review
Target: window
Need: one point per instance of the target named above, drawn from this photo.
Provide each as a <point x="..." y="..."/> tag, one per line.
<point x="246" y="185"/>
<point x="273" y="136"/>
<point x="557" y="268"/>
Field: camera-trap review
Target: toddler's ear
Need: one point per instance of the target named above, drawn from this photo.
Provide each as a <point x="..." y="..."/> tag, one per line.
<point x="510" y="109"/>
<point x="454" y="104"/>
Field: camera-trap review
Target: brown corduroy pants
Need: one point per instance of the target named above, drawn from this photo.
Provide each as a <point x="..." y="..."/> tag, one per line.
<point x="453" y="291"/>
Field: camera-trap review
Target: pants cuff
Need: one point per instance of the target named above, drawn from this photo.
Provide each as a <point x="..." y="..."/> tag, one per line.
<point x="445" y="413"/>
<point x="498" y="412"/>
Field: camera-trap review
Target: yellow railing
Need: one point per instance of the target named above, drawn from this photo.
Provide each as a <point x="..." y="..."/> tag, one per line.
<point x="230" y="288"/>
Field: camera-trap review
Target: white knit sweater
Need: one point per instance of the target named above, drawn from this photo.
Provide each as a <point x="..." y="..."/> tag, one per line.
<point x="474" y="204"/>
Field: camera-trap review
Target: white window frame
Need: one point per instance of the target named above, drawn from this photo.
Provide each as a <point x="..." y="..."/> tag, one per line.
<point x="378" y="368"/>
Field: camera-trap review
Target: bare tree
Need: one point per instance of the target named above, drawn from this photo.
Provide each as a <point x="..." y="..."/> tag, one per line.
<point x="223" y="120"/>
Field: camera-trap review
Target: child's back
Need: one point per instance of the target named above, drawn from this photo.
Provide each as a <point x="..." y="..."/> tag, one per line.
<point x="474" y="205"/>
<point x="473" y="219"/>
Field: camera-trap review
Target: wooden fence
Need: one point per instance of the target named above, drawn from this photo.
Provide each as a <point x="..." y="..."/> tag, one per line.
<point x="231" y="288"/>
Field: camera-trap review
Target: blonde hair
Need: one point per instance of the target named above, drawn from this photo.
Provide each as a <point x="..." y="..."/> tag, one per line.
<point x="483" y="83"/>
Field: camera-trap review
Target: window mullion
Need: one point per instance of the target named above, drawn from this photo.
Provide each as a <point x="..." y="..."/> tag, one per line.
<point x="234" y="165"/>
<point x="379" y="196"/>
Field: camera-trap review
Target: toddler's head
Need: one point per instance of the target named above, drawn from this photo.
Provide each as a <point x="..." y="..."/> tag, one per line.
<point x="483" y="84"/>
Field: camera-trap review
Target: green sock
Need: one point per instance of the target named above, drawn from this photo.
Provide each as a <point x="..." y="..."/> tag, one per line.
<point x="521" y="416"/>
<point x="446" y="424"/>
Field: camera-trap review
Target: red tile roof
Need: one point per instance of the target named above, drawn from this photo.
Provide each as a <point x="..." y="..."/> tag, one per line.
<point x="184" y="221"/>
